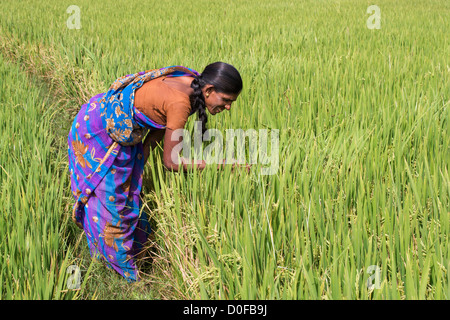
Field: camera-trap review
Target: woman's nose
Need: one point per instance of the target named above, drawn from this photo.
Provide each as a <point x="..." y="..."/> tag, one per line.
<point x="228" y="106"/>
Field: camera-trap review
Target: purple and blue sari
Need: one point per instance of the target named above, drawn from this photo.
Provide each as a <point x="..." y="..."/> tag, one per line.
<point x="106" y="166"/>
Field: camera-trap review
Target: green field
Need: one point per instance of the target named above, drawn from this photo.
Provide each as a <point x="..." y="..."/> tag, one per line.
<point x="363" y="120"/>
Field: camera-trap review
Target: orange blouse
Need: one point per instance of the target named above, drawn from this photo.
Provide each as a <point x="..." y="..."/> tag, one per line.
<point x="163" y="104"/>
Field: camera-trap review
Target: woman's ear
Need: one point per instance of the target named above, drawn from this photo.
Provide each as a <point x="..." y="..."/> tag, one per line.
<point x="208" y="89"/>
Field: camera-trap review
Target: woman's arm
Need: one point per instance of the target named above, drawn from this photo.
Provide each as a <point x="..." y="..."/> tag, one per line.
<point x="151" y="140"/>
<point x="170" y="155"/>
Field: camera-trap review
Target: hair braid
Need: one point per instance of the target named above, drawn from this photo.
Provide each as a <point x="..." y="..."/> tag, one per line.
<point x="198" y="101"/>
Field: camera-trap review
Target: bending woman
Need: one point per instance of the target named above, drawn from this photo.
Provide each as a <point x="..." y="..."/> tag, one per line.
<point x="107" y="155"/>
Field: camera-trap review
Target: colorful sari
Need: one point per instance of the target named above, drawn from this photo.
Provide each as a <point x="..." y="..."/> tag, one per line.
<point x="106" y="166"/>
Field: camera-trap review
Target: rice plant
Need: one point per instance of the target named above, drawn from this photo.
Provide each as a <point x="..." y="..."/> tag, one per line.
<point x="362" y="187"/>
<point x="34" y="253"/>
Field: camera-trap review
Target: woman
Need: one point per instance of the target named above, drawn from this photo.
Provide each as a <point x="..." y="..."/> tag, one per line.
<point x="107" y="156"/>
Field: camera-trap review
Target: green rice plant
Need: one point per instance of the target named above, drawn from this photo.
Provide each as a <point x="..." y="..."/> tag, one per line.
<point x="363" y="120"/>
<point x="34" y="255"/>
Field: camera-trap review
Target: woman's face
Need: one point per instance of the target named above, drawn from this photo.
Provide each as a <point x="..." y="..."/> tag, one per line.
<point x="216" y="102"/>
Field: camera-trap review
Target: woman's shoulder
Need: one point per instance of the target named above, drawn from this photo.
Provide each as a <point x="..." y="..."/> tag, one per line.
<point x="156" y="92"/>
<point x="162" y="103"/>
<point x="165" y="87"/>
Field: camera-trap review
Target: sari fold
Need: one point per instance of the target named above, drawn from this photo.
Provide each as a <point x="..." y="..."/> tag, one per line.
<point x="106" y="167"/>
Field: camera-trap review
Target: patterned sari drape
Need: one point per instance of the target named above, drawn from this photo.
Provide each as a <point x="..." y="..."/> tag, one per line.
<point x="106" y="166"/>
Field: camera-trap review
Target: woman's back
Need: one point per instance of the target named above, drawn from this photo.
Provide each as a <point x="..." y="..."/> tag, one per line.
<point x="165" y="101"/>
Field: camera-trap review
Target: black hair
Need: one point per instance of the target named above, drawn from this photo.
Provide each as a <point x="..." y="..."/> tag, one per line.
<point x="225" y="79"/>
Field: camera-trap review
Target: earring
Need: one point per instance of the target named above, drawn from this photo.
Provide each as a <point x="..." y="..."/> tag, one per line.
<point x="207" y="95"/>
